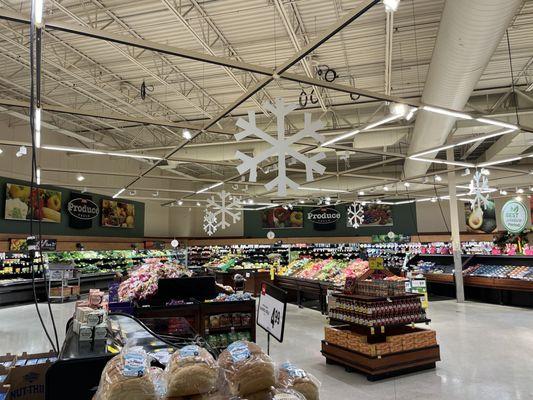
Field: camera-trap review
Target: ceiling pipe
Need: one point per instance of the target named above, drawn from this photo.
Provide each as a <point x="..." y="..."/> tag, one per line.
<point x="468" y="35"/>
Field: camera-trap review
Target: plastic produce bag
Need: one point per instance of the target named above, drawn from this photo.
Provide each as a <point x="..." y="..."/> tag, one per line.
<point x="292" y="377"/>
<point x="191" y="370"/>
<point x="128" y="376"/>
<point x="246" y="368"/>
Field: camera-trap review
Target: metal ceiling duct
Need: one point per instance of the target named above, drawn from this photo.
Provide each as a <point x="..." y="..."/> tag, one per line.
<point x="469" y="33"/>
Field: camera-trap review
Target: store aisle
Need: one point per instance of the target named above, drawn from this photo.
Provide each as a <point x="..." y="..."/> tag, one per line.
<point x="486" y="352"/>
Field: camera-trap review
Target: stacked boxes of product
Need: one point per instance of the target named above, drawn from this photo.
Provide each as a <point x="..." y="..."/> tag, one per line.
<point x="23" y="377"/>
<point x="90" y="318"/>
<point x="416" y="339"/>
<point x="374" y="288"/>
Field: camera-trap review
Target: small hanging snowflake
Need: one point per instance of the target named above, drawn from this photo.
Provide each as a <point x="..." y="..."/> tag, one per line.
<point x="210" y="222"/>
<point x="281" y="147"/>
<point x="356" y="215"/>
<point x="478" y="186"/>
<point x="224" y="209"/>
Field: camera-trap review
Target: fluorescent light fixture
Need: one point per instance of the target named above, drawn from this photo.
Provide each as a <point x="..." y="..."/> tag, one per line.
<point x="411" y="113"/>
<point x="437" y="161"/>
<point x="401" y="202"/>
<point x="327" y="198"/>
<point x="119" y="193"/>
<point x="80" y="178"/>
<point x="38" y="12"/>
<point x="38" y="173"/>
<point x="186" y="134"/>
<point x="391" y="5"/>
<point x="386" y="188"/>
<point x="449" y="113"/>
<point x="497" y="123"/>
<point x="209" y="187"/>
<point x="421" y="200"/>
<point x="518" y="198"/>
<point x="341" y="137"/>
<point x="301" y="202"/>
<point x="322" y="189"/>
<point x="382" y="121"/>
<point x="433" y="200"/>
<point x="502" y="161"/>
<point x="519" y="190"/>
<point x="361" y="193"/>
<point x="399" y="109"/>
<point x="251" y="201"/>
<point x="99" y="152"/>
<point x="503" y="192"/>
<point x="180" y="202"/>
<point x="1" y="151"/>
<point x="406" y="184"/>
<point x="438" y="178"/>
<point x="37" y="123"/>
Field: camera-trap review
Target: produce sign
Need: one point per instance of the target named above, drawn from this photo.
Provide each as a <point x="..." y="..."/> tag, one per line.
<point x="324" y="218"/>
<point x="117" y="214"/>
<point x="82" y="210"/>
<point x="514" y="216"/>
<point x="480" y="219"/>
<point x="376" y="215"/>
<point x="22" y="245"/>
<point x="20" y="200"/>
<point x="281" y="218"/>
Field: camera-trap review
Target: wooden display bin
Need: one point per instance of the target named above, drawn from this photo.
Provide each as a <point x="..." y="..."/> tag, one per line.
<point x="254" y="281"/>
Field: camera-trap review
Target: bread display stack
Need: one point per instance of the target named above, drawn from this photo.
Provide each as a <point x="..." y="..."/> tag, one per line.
<point x="128" y="376"/>
<point x="246" y="369"/>
<point x="192" y="370"/>
<point x="291" y="377"/>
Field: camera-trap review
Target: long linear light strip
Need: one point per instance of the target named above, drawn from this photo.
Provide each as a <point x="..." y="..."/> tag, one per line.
<point x="209" y="187"/>
<point x="463" y="142"/>
<point x="502" y="161"/>
<point x="37" y="125"/>
<point x="437" y="161"/>
<point x="449" y="113"/>
<point x="322" y="189"/>
<point x="99" y="152"/>
<point x="119" y="193"/>
<point x="385" y="120"/>
<point x="38" y="173"/>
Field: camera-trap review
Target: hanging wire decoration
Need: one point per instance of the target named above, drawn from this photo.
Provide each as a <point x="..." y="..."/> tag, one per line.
<point x="210" y="222"/>
<point x="224" y="208"/>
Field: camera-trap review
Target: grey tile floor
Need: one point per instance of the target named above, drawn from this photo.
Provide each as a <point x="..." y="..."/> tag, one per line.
<point x="486" y="350"/>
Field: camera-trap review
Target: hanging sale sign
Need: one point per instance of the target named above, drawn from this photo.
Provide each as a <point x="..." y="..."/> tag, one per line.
<point x="514" y="216"/>
<point x="271" y="310"/>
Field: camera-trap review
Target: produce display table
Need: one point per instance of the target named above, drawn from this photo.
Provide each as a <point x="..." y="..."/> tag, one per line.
<point x="254" y="281"/>
<point x="305" y="288"/>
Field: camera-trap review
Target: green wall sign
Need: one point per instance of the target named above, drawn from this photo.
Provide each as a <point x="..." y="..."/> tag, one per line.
<point x="514" y="216"/>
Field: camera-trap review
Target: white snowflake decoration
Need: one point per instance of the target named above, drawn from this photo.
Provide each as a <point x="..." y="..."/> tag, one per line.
<point x="356" y="215"/>
<point x="280" y="147"/>
<point x="210" y="222"/>
<point x="478" y="186"/>
<point x="224" y="209"/>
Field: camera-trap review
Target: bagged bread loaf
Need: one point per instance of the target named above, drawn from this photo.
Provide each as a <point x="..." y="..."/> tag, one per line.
<point x="128" y="376"/>
<point x="275" y="394"/>
<point x="191" y="370"/>
<point x="291" y="377"/>
<point x="246" y="368"/>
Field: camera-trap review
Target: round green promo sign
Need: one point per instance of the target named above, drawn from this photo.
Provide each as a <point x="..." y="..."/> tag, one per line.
<point x="514" y="216"/>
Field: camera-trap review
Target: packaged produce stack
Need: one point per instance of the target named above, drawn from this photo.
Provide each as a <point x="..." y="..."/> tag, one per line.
<point x="242" y="371"/>
<point x="374" y="330"/>
<point x="90" y="318"/>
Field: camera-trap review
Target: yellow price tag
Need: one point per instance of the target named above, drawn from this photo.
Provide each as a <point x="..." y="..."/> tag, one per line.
<point x="375" y="263"/>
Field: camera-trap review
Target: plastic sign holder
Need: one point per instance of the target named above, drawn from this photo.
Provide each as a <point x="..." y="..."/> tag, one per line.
<point x="271" y="312"/>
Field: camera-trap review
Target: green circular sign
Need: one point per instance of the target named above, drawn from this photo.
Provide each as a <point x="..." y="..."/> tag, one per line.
<point x="514" y="216"/>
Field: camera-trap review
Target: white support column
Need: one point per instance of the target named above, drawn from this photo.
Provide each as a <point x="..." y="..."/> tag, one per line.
<point x="456" y="239"/>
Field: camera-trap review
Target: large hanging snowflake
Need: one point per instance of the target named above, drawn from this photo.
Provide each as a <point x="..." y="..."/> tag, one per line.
<point x="280" y="147"/>
<point x="210" y="222"/>
<point x="479" y="185"/>
<point x="356" y="215"/>
<point x="224" y="209"/>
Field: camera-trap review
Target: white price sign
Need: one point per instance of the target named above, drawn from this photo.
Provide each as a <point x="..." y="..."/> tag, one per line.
<point x="271" y="310"/>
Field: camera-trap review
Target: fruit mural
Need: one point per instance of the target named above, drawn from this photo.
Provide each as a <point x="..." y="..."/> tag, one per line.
<point x="280" y="218"/>
<point x="481" y="220"/>
<point x="376" y="215"/>
<point x="116" y="214"/>
<point x="21" y="200"/>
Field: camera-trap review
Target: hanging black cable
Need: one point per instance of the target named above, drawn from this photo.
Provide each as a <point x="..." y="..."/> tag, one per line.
<point x="35" y="42"/>
<point x="440" y="208"/>
<point x="512" y="77"/>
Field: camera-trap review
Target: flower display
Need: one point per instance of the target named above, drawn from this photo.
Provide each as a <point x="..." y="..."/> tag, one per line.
<point x="142" y="282"/>
<point x="330" y="270"/>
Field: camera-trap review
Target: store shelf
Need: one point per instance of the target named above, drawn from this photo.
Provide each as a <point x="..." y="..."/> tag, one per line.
<point x="385" y="366"/>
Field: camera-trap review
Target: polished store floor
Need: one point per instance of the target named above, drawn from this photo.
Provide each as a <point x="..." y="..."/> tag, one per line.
<point x="486" y="351"/>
